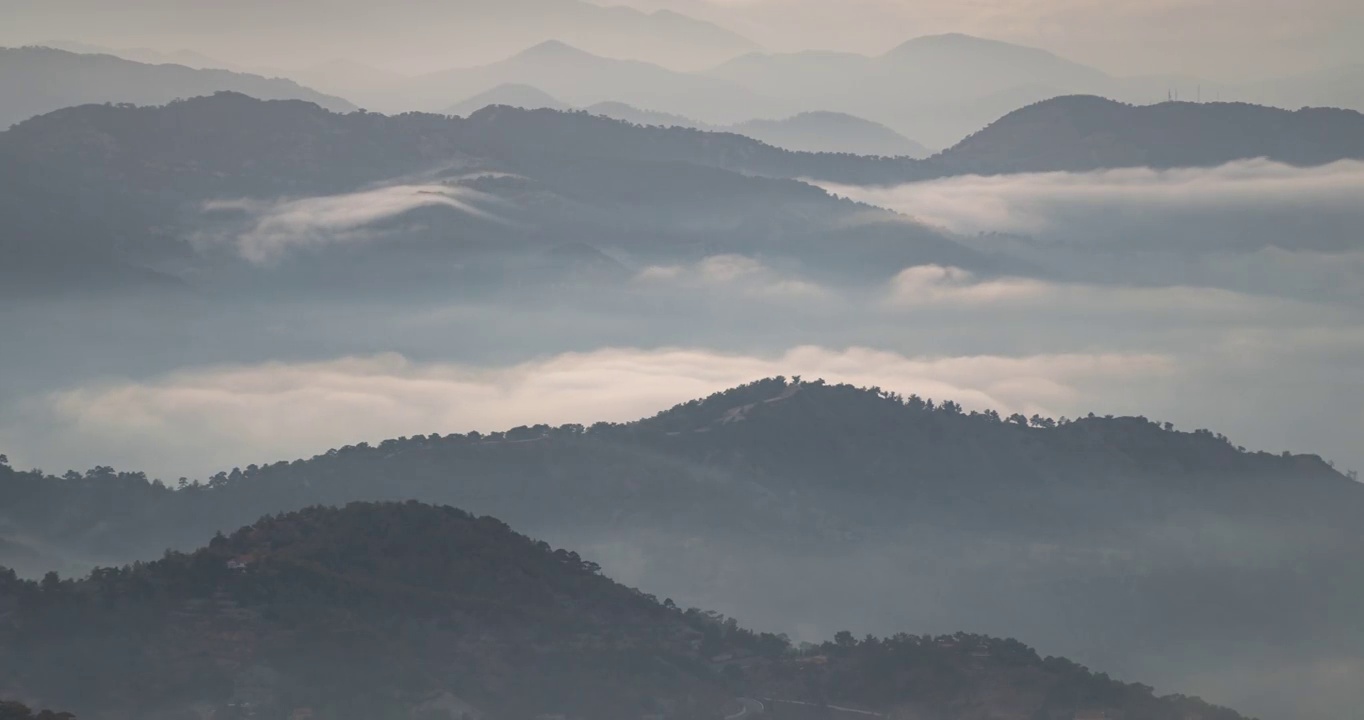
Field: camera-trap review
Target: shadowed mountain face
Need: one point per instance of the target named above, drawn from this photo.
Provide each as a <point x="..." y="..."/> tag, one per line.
<point x="1114" y="540"/>
<point x="833" y="133"/>
<point x="939" y="88"/>
<point x="510" y="95"/>
<point x="576" y="76"/>
<point x="34" y="81"/>
<point x="383" y="609"/>
<point x="818" y="132"/>
<point x="209" y="189"/>
<point x="1088" y="133"/>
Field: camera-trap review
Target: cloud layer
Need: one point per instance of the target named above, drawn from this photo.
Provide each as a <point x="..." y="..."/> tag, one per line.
<point x="279" y="226"/>
<point x="200" y="420"/>
<point x="1047" y="202"/>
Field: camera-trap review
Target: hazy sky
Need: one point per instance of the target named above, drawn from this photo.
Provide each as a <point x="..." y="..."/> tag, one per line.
<point x="1224" y="39"/>
<point x="1220" y="39"/>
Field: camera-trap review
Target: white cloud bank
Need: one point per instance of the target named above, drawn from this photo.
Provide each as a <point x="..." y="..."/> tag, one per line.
<point x="278" y="226"/>
<point x="1043" y="202"/>
<point x="199" y="421"/>
<point x="735" y="273"/>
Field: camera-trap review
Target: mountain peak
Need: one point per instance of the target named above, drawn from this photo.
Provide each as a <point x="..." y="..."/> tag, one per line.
<point x="553" y="50"/>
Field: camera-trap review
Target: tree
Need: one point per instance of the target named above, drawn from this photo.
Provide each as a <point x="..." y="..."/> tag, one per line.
<point x="845" y="639"/>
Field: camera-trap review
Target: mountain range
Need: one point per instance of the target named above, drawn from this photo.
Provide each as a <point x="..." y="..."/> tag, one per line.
<point x="1121" y="542"/>
<point x="35" y="81"/>
<point x="112" y="194"/>
<point x="816" y="132"/>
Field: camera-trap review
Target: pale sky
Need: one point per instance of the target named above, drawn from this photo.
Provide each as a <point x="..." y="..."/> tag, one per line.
<point x="1216" y="39"/>
<point x="1221" y="39"/>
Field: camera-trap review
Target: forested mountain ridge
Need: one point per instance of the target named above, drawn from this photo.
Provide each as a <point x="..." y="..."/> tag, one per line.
<point x="1101" y="538"/>
<point x="1080" y="133"/>
<point x="168" y="192"/>
<point x="766" y="439"/>
<point x="377" y="609"/>
<point x="19" y="711"/>
<point x="39" y="80"/>
<point x="519" y="184"/>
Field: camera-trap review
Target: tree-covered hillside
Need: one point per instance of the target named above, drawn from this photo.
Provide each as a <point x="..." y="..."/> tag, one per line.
<point x="399" y="610"/>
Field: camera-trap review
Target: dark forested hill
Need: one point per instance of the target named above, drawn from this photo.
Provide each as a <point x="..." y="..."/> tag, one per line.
<point x="1079" y="133"/>
<point x="380" y="610"/>
<point x="1119" y="541"/>
<point x="188" y="190"/>
<point x="19" y="711"/>
<point x="38" y="80"/>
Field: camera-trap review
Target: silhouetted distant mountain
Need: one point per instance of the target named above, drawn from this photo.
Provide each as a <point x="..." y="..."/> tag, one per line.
<point x="817" y="132"/>
<point x="379" y="610"/>
<point x="933" y="89"/>
<point x="1087" y="133"/>
<point x="636" y="116"/>
<point x="187" y="58"/>
<point x="579" y="78"/>
<point x="832" y="133"/>
<point x="517" y="96"/>
<point x="34" y="81"/>
<point x="988" y="65"/>
<point x="938" y="89"/>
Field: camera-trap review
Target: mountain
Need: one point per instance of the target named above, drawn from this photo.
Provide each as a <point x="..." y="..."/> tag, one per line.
<point x="478" y="196"/>
<point x="832" y="133"/>
<point x="814" y="132"/>
<point x="518" y="96"/>
<point x="580" y="78"/>
<point x="939" y="89"/>
<point x="1122" y="542"/>
<point x="218" y="170"/>
<point x="36" y="80"/>
<point x="637" y="116"/>
<point x="187" y="58"/>
<point x="377" y="610"/>
<point x="933" y="89"/>
<point x="1088" y="133"/>
<point x="19" y="711"/>
<point x="984" y="66"/>
<point x="422" y="35"/>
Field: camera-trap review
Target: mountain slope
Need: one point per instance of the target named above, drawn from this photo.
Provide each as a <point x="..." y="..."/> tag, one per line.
<point x="394" y="609"/>
<point x="532" y="179"/>
<point x="832" y="133"/>
<point x="1088" y="133"/>
<point x="35" y="81"/>
<point x="934" y="89"/>
<point x="518" y="96"/>
<point x="581" y="78"/>
<point x="1117" y="541"/>
<point x="813" y="132"/>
